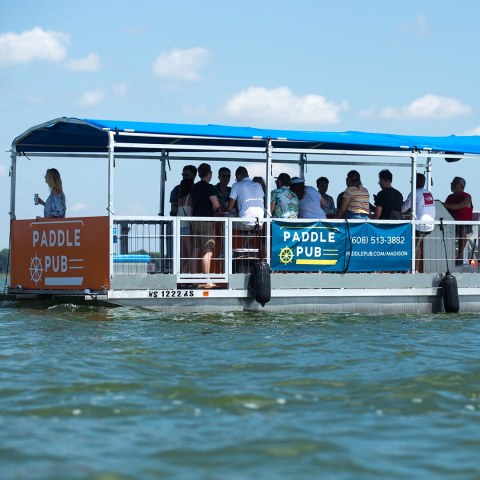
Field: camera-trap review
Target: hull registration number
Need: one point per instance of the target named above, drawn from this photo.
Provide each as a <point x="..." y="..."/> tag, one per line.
<point x="171" y="293"/>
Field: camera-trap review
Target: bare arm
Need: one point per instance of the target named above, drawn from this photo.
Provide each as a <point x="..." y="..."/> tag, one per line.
<point x="215" y="203"/>
<point x="378" y="212"/>
<point x="272" y="207"/>
<point x="343" y="208"/>
<point x="407" y="204"/>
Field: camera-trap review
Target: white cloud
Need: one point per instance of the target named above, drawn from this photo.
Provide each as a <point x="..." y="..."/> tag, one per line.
<point x="35" y="44"/>
<point x="181" y="64"/>
<point x="416" y="27"/>
<point x="473" y="131"/>
<point x="3" y="170"/>
<point x="26" y="99"/>
<point x="94" y="97"/>
<point x="78" y="207"/>
<point x="120" y="89"/>
<point x="195" y="110"/>
<point x="280" y="104"/>
<point x="428" y="107"/>
<point x="90" y="63"/>
<point x="421" y="26"/>
<point x="90" y="99"/>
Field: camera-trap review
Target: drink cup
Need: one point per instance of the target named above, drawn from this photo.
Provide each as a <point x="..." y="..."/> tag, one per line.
<point x="35" y="199"/>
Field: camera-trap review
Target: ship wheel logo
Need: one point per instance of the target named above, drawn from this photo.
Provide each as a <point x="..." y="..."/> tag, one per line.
<point x="36" y="269"/>
<point x="286" y="255"/>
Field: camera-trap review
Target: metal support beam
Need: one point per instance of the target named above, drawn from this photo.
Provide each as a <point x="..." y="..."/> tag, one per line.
<point x="13" y="183"/>
<point x="414" y="206"/>
<point x="163" y="182"/>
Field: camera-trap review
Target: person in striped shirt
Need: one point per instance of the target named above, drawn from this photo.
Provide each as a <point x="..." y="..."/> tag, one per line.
<point x="356" y="199"/>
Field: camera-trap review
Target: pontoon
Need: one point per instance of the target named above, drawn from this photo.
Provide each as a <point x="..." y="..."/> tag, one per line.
<point x="328" y="266"/>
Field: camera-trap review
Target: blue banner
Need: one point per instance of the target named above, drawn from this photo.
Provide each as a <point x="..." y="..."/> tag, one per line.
<point x="341" y="247"/>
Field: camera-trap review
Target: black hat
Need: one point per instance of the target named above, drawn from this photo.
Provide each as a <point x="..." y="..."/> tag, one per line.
<point x="284" y="178"/>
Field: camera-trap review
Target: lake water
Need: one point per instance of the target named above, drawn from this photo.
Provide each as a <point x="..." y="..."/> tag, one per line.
<point x="106" y="394"/>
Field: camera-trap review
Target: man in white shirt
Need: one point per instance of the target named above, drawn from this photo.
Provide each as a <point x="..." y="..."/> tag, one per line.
<point x="248" y="196"/>
<point x="425" y="210"/>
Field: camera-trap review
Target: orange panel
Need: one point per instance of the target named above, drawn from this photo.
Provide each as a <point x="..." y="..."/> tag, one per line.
<point x="60" y="253"/>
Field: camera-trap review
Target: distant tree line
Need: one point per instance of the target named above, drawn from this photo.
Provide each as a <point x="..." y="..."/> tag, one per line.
<point x="4" y="260"/>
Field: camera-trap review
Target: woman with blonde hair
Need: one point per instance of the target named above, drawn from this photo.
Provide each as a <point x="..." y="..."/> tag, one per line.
<point x="55" y="206"/>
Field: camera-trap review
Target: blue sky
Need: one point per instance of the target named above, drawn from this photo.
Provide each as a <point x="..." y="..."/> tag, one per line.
<point x="396" y="66"/>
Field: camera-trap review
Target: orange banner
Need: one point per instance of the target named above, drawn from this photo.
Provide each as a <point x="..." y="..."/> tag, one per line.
<point x="60" y="253"/>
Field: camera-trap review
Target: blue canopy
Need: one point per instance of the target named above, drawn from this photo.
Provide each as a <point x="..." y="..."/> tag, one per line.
<point x="72" y="135"/>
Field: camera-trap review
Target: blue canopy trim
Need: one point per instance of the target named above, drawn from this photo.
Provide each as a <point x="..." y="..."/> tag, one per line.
<point x="71" y="135"/>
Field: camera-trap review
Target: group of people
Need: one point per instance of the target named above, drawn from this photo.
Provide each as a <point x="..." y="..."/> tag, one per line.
<point x="202" y="199"/>
<point x="291" y="199"/>
<point x="354" y="203"/>
<point x="294" y="199"/>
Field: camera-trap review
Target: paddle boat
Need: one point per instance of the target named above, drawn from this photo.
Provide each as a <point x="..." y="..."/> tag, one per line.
<point x="280" y="265"/>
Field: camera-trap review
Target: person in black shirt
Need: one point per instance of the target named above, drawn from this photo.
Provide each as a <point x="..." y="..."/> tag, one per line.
<point x="389" y="201"/>
<point x="205" y="203"/>
<point x="222" y="188"/>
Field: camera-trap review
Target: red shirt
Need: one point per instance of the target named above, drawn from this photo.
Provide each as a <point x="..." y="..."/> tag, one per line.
<point x="464" y="213"/>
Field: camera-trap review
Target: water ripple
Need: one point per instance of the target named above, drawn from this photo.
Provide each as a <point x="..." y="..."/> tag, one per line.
<point x="96" y="393"/>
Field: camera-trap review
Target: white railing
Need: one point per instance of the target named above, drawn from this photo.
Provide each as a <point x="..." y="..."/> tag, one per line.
<point x="178" y="245"/>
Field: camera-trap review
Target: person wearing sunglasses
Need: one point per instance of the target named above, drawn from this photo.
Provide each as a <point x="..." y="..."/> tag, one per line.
<point x="222" y="188"/>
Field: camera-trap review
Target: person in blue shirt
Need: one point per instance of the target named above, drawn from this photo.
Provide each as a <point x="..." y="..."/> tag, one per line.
<point x="309" y="199"/>
<point x="55" y="206"/>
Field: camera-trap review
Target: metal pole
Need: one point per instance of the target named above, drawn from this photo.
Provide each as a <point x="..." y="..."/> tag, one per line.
<point x="414" y="206"/>
<point x="301" y="166"/>
<point x="111" y="167"/>
<point x="166" y="229"/>
<point x="163" y="181"/>
<point x="270" y="182"/>
<point x="268" y="176"/>
<point x="13" y="183"/>
<point x="428" y="174"/>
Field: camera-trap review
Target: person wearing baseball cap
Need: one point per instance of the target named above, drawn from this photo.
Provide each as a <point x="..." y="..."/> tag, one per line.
<point x="309" y="199"/>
